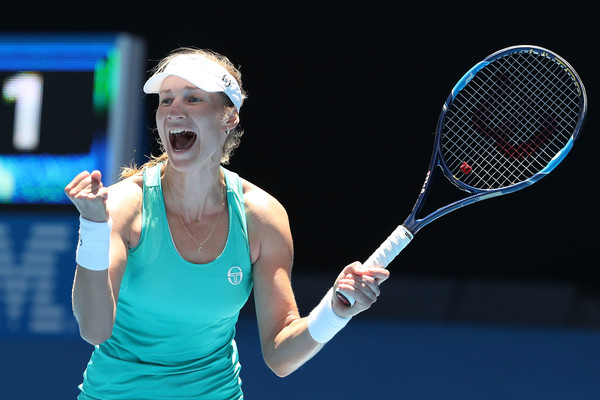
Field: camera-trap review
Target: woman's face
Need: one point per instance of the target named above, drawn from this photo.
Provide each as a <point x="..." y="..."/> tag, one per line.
<point x="190" y="123"/>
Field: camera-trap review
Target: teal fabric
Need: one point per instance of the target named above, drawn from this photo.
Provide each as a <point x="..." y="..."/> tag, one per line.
<point x="173" y="336"/>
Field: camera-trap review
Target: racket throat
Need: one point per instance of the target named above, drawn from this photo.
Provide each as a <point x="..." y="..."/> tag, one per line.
<point x="433" y="188"/>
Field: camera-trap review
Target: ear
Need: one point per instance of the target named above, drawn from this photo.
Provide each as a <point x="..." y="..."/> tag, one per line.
<point x="232" y="119"/>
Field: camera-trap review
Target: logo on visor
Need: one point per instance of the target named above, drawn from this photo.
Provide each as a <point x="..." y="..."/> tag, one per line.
<point x="235" y="275"/>
<point x="226" y="80"/>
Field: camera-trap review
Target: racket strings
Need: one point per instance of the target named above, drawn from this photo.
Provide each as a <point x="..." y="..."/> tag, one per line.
<point x="524" y="111"/>
<point x="504" y="141"/>
<point x="535" y="138"/>
<point x="509" y="121"/>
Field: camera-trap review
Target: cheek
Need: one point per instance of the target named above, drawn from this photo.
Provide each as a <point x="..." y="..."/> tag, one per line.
<point x="160" y="116"/>
<point x="159" y="125"/>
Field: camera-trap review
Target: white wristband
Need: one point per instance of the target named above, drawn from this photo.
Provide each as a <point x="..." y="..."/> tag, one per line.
<point x="94" y="243"/>
<point x="323" y="322"/>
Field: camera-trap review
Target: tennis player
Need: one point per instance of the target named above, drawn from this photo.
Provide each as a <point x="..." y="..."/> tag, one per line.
<point x="168" y="256"/>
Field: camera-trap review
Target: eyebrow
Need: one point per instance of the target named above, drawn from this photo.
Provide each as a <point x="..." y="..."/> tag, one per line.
<point x="188" y="88"/>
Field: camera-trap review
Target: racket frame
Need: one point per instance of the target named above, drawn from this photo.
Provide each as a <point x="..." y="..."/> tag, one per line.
<point x="405" y="232"/>
<point x="414" y="224"/>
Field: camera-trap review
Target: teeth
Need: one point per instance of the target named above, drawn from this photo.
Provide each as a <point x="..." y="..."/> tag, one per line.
<point x="176" y="131"/>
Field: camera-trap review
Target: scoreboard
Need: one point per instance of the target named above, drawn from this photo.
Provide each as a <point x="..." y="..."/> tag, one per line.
<point x="69" y="103"/>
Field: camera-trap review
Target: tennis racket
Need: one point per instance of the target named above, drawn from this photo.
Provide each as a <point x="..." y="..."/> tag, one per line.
<point x="508" y="122"/>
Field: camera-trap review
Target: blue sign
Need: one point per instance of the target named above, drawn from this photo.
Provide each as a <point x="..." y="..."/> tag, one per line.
<point x="37" y="265"/>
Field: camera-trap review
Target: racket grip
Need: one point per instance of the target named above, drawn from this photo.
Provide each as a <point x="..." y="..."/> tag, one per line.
<point x="382" y="257"/>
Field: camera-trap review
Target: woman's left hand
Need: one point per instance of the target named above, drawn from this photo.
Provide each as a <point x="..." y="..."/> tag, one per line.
<point x="362" y="283"/>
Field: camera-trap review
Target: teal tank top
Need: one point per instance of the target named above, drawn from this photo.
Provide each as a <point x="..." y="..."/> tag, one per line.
<point x="173" y="336"/>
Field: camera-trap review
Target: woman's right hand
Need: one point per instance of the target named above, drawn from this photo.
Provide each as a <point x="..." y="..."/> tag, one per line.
<point x="89" y="195"/>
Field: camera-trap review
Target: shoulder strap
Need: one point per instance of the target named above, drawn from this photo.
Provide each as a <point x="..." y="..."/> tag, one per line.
<point x="234" y="186"/>
<point x="152" y="176"/>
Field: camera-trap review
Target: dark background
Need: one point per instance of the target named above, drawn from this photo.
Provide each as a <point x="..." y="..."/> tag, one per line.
<point x="343" y="101"/>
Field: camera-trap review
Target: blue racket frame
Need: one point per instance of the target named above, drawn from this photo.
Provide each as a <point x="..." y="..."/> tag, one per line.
<point x="404" y="233"/>
<point x="414" y="224"/>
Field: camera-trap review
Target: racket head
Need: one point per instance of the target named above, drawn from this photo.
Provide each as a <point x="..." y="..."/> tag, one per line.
<point x="509" y="121"/>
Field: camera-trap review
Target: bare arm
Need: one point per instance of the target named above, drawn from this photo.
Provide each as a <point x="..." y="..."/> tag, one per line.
<point x="285" y="339"/>
<point x="95" y="293"/>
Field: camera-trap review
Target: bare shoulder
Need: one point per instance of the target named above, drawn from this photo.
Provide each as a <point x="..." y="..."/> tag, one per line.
<point x="261" y="206"/>
<point x="122" y="194"/>
<point x="124" y="205"/>
<point x="268" y="225"/>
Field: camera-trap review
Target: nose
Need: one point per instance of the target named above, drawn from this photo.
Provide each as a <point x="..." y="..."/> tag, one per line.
<point x="177" y="110"/>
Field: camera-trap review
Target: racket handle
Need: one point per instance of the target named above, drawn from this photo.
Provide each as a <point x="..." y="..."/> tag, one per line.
<point x="384" y="255"/>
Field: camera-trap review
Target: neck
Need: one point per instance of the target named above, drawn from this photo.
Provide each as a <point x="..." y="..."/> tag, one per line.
<point x="194" y="194"/>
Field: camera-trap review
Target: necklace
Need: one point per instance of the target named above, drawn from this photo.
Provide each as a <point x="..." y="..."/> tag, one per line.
<point x="197" y="220"/>
<point x="209" y="235"/>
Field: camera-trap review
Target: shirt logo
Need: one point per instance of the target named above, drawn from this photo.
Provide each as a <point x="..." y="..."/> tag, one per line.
<point x="235" y="275"/>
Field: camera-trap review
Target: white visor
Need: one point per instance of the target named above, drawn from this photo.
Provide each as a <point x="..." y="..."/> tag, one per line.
<point x="202" y="73"/>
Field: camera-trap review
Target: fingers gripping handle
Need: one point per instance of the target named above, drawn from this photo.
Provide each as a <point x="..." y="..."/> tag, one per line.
<point x="384" y="255"/>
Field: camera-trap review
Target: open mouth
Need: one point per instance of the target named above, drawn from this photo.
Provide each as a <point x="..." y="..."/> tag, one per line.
<point x="181" y="139"/>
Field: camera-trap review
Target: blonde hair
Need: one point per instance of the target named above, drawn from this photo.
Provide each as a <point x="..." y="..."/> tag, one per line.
<point x="233" y="138"/>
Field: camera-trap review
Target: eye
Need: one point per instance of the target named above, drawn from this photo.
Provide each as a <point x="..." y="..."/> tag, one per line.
<point x="165" y="101"/>
<point x="194" y="99"/>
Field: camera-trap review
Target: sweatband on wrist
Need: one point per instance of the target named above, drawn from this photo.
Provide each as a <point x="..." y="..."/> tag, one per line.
<point x="94" y="244"/>
<point x="323" y="322"/>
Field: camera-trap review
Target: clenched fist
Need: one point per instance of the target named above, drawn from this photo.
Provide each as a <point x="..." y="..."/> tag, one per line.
<point x="89" y="195"/>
